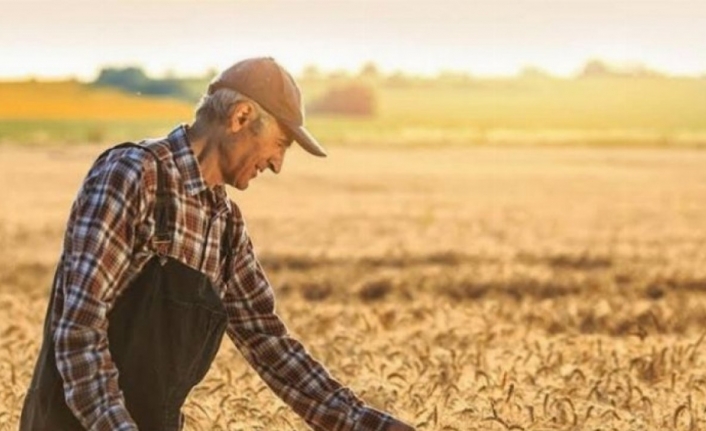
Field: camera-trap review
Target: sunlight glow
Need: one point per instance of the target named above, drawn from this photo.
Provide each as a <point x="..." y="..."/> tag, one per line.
<point x="76" y="38"/>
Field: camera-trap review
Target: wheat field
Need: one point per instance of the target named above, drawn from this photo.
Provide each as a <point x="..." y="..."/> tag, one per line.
<point x="457" y="288"/>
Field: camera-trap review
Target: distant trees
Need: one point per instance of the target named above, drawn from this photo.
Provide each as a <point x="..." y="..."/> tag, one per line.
<point x="369" y="71"/>
<point x="599" y="68"/>
<point x="311" y="73"/>
<point x="354" y="98"/>
<point x="533" y="72"/>
<point x="595" y="68"/>
<point x="128" y="78"/>
<point x="135" y="80"/>
<point x="344" y="92"/>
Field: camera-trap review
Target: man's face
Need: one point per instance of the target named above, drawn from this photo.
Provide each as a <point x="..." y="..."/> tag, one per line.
<point x="256" y="149"/>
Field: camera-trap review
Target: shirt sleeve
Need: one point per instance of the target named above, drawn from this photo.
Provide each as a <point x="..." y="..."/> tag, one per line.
<point x="97" y="249"/>
<point x="282" y="362"/>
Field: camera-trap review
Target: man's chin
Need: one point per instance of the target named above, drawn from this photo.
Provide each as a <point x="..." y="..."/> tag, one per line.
<point x="241" y="186"/>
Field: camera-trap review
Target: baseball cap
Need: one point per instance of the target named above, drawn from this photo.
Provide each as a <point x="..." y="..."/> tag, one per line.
<point x="267" y="83"/>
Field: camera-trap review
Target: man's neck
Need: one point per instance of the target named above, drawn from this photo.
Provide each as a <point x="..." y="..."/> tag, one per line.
<point x="204" y="150"/>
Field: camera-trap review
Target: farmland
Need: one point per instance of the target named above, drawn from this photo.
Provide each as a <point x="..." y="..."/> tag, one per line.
<point x="460" y="288"/>
<point x="605" y="111"/>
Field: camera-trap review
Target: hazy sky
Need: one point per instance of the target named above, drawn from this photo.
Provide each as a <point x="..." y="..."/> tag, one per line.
<point x="75" y="38"/>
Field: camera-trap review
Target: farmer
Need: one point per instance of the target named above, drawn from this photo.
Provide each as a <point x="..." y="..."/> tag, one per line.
<point x="157" y="265"/>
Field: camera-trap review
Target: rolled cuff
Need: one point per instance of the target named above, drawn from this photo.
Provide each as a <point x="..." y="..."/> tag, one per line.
<point x="115" y="418"/>
<point x="372" y="420"/>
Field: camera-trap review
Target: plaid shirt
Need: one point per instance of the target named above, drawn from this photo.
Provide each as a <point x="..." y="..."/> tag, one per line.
<point x="106" y="245"/>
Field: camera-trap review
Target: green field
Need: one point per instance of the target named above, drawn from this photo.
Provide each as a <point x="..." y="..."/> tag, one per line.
<point x="61" y="132"/>
<point x="595" y="111"/>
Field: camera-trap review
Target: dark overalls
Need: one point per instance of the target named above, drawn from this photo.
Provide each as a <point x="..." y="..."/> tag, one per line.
<point x="163" y="334"/>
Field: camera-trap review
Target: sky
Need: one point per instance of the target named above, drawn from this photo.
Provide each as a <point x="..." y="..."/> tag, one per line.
<point x="75" y="38"/>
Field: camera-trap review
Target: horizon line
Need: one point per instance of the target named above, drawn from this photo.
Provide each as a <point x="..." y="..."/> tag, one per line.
<point x="615" y="67"/>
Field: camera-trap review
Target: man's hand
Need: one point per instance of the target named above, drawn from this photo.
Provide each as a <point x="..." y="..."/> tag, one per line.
<point x="399" y="426"/>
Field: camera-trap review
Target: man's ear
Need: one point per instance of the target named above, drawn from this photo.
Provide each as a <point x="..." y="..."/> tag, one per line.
<point x="241" y="116"/>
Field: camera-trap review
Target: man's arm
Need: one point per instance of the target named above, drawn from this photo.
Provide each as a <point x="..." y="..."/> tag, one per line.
<point x="281" y="361"/>
<point x="99" y="244"/>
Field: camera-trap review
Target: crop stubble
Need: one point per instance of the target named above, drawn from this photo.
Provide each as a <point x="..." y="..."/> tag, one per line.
<point x="458" y="288"/>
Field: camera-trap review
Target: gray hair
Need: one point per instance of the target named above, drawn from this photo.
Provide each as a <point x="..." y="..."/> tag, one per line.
<point x="217" y="108"/>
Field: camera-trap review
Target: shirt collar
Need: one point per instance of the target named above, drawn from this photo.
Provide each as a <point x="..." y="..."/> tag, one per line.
<point x="186" y="161"/>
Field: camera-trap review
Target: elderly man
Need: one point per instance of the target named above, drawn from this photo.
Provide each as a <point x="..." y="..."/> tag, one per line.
<point x="157" y="265"/>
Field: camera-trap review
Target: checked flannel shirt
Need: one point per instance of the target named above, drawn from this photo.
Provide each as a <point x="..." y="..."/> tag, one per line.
<point x="107" y="243"/>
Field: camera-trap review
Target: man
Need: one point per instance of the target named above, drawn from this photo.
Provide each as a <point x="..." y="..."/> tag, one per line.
<point x="157" y="265"/>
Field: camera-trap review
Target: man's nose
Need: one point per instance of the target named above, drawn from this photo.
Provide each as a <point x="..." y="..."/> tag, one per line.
<point x="276" y="165"/>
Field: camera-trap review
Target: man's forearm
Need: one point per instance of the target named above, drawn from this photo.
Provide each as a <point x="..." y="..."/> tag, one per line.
<point x="289" y="370"/>
<point x="311" y="392"/>
<point x="90" y="379"/>
<point x="281" y="361"/>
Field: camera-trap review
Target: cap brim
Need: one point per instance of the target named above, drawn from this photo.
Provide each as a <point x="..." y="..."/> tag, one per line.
<point x="307" y="140"/>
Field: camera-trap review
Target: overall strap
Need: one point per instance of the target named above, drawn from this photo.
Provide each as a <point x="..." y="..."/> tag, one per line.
<point x="162" y="239"/>
<point x="227" y="246"/>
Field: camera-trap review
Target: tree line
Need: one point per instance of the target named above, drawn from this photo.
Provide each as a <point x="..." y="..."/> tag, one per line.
<point x="347" y="93"/>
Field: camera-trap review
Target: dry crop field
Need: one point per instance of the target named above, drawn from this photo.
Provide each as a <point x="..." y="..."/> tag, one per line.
<point x="461" y="289"/>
